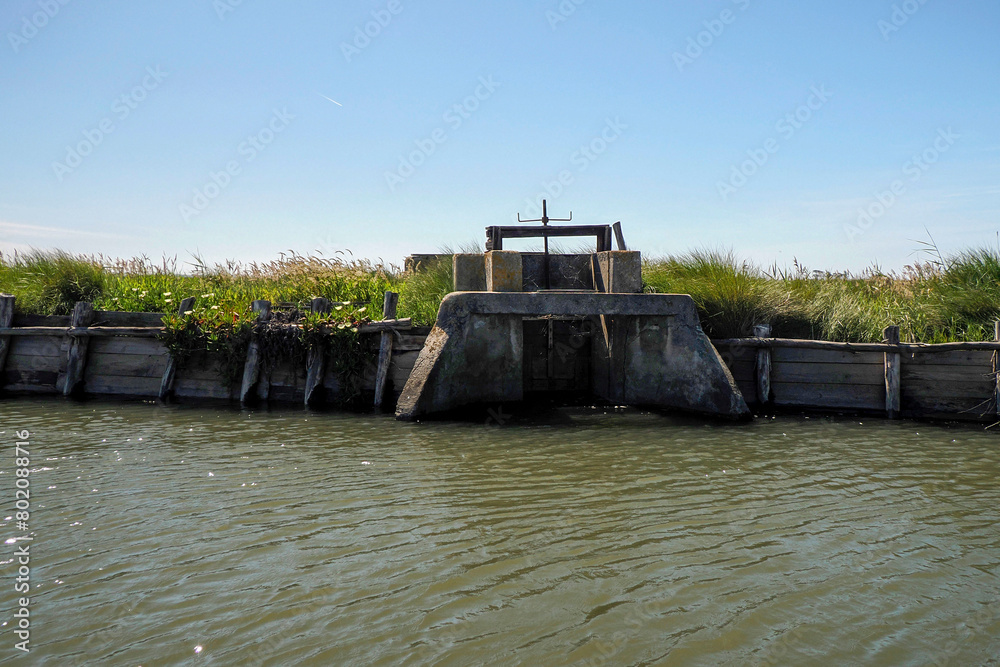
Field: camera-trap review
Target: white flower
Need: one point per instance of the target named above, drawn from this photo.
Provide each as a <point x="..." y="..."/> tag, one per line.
<point x="215" y="307"/>
<point x="188" y="312"/>
<point x="362" y="309"/>
<point x="339" y="308"/>
<point x="169" y="301"/>
<point x="166" y="294"/>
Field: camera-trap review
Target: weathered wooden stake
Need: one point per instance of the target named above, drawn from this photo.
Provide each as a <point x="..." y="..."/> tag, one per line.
<point x="763" y="365"/>
<point x="385" y="348"/>
<point x="251" y="369"/>
<point x="76" y="361"/>
<point x="316" y="363"/>
<point x="167" y="383"/>
<point x="619" y="237"/>
<point x="6" y="319"/>
<point x="996" y="367"/>
<point x="892" y="373"/>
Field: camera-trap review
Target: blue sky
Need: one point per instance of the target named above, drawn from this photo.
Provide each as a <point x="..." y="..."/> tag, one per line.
<point x="834" y="133"/>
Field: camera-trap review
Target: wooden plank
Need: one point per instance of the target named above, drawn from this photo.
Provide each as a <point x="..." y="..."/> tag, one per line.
<point x="996" y="370"/>
<point x="619" y="237"/>
<point x="28" y="320"/>
<point x="386" y="325"/>
<point x="76" y="360"/>
<point x="860" y="374"/>
<point x="6" y="319"/>
<point x="25" y="362"/>
<point x="285" y="394"/>
<point x="251" y="369"/>
<point x="126" y="365"/>
<point x="78" y="332"/>
<point x="783" y="355"/>
<point x="746" y="371"/>
<point x="979" y="408"/>
<point x="39" y="346"/>
<point x="316" y="359"/>
<point x="286" y="375"/>
<point x="202" y="388"/>
<point x="404" y="340"/>
<point x="123" y="345"/>
<point x="402" y="366"/>
<point x="200" y="366"/>
<point x="933" y="389"/>
<point x="843" y="396"/>
<point x="856" y="347"/>
<point x="763" y="366"/>
<point x="942" y="373"/>
<point x="979" y="358"/>
<point x="117" y="385"/>
<point x="116" y="318"/>
<point x="892" y="373"/>
<point x="390" y="301"/>
<point x="537" y="231"/>
<point x="31" y="381"/>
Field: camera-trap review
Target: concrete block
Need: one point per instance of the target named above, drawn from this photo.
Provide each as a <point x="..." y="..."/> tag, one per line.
<point x="469" y="272"/>
<point x="620" y="271"/>
<point x="503" y="271"/>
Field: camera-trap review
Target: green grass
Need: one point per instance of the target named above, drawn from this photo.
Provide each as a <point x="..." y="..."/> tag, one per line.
<point x="950" y="299"/>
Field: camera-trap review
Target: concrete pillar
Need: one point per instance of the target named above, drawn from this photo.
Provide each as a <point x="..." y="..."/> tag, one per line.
<point x="620" y="271"/>
<point x="503" y="271"/>
<point x="470" y="272"/>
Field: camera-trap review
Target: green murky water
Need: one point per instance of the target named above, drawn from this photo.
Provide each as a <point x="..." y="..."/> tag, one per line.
<point x="209" y="536"/>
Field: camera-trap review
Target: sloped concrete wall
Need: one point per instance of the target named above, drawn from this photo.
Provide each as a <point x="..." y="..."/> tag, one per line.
<point x="654" y="353"/>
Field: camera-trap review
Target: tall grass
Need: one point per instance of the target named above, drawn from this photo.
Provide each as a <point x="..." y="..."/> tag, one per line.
<point x="422" y="291"/>
<point x="49" y="283"/>
<point x="949" y="299"/>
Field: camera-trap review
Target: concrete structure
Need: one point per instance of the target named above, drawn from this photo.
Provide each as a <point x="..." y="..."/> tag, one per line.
<point x="469" y="272"/>
<point x="607" y="271"/>
<point x="649" y="351"/>
<point x="503" y="271"/>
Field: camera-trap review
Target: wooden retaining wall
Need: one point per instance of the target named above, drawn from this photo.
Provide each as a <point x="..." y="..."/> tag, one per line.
<point x="956" y="381"/>
<point x="107" y="353"/>
<point x="123" y="357"/>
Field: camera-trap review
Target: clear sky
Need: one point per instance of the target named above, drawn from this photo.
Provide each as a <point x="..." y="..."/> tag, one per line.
<point x="240" y="129"/>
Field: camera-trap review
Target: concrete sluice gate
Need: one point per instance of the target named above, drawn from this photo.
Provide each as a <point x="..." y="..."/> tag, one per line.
<point x="500" y="338"/>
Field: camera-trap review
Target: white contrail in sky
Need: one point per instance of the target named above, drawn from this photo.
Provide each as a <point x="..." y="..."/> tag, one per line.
<point x="327" y="98"/>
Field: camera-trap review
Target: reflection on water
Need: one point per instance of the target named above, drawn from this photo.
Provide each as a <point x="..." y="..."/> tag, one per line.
<point x="318" y="539"/>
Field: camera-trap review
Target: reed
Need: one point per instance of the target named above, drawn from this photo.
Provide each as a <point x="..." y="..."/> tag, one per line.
<point x="946" y="299"/>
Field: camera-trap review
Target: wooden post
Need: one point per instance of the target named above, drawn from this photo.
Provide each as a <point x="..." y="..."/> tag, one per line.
<point x="316" y="362"/>
<point x="167" y="383"/>
<point x="763" y="365"/>
<point x="251" y="369"/>
<point x="996" y="367"/>
<point x="6" y="319"/>
<point x="385" y="348"/>
<point x="76" y="362"/>
<point x="605" y="242"/>
<point x="892" y="373"/>
<point x="619" y="237"/>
